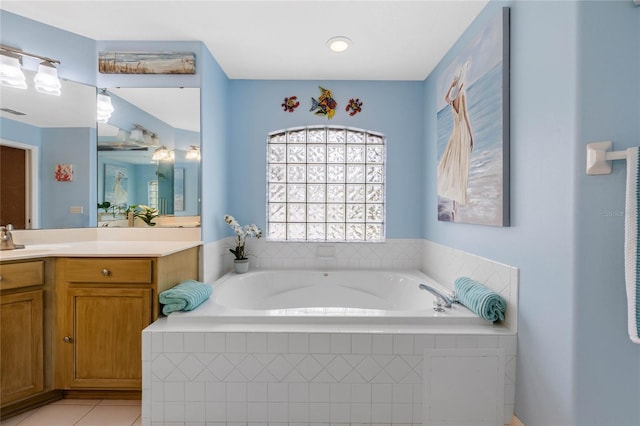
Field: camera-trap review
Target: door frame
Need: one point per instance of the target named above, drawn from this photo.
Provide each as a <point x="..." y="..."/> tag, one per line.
<point x="32" y="180"/>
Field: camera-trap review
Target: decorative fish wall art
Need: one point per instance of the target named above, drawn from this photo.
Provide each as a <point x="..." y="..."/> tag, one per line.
<point x="325" y="105"/>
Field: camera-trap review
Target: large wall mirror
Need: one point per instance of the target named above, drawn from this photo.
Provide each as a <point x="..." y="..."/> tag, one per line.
<point x="38" y="132"/>
<point x="149" y="155"/>
<point x="57" y="168"/>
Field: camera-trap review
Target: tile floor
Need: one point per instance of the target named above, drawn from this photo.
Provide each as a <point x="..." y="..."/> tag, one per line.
<point x="81" y="412"/>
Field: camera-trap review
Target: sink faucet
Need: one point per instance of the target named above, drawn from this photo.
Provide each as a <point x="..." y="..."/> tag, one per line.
<point x="441" y="299"/>
<point x="6" y="239"/>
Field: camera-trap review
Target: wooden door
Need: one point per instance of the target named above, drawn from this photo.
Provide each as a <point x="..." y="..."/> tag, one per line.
<point x="106" y="340"/>
<point x="21" y="350"/>
<point x="13" y="187"/>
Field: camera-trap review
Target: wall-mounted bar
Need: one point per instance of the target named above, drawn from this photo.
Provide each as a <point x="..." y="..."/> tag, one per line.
<point x="599" y="157"/>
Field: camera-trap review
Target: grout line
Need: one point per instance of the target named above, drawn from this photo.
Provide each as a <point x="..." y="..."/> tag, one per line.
<point x="86" y="414"/>
<point x="32" y="412"/>
<point x="136" y="420"/>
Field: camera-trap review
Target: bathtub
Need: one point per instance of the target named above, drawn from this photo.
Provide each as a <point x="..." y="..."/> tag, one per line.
<point x="326" y="297"/>
<point x="326" y="347"/>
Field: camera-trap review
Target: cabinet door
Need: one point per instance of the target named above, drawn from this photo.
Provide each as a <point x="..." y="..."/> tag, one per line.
<point x="106" y="341"/>
<point x="21" y="335"/>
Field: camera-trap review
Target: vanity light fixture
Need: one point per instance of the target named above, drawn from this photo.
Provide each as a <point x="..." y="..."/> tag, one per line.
<point x="123" y="135"/>
<point x="147" y="136"/>
<point x="155" y="140"/>
<point x="161" y="154"/>
<point x="193" y="153"/>
<point x="339" y="43"/>
<point x="104" y="107"/>
<point x="137" y="134"/>
<point x="46" y="80"/>
<point x="11" y="74"/>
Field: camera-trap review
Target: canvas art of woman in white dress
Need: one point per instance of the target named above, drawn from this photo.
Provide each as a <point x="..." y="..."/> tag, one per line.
<point x="119" y="193"/>
<point x="453" y="168"/>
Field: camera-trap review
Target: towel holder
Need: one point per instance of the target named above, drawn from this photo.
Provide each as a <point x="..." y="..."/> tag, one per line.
<point x="599" y="157"/>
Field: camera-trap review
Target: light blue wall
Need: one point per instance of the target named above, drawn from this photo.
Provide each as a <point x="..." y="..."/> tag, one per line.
<point x="59" y="146"/>
<point x="216" y="170"/>
<point x="19" y="132"/>
<point x="607" y="363"/>
<point x="67" y="146"/>
<point x="390" y="107"/>
<point x="143" y="175"/>
<point x="574" y="78"/>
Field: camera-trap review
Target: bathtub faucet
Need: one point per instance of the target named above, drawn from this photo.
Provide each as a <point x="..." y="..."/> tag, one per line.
<point x="441" y="299"/>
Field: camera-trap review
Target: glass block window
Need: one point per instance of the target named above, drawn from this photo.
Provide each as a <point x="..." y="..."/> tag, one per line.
<point x="152" y="192"/>
<point x="325" y="184"/>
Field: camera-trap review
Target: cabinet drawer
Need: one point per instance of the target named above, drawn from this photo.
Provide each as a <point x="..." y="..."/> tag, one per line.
<point x="23" y="274"/>
<point x="106" y="270"/>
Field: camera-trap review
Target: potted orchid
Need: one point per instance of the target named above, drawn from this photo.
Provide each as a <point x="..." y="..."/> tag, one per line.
<point x="146" y="213"/>
<point x="242" y="233"/>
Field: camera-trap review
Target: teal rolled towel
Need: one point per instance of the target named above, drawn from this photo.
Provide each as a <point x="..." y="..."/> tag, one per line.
<point x="478" y="298"/>
<point x="185" y="296"/>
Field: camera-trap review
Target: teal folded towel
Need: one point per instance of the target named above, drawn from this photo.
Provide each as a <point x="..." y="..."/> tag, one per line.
<point x="478" y="298"/>
<point x="185" y="296"/>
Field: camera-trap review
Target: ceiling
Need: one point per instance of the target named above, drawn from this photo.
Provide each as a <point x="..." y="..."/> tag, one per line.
<point x="178" y="107"/>
<point x="75" y="109"/>
<point x="391" y="40"/>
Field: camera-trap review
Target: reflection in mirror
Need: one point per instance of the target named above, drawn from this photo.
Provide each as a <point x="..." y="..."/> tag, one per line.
<point x="145" y="157"/>
<point x="38" y="133"/>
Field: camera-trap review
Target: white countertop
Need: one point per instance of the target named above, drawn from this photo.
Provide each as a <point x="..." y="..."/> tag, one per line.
<point x="99" y="249"/>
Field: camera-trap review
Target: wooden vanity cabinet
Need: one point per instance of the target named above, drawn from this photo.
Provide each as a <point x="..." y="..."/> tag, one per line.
<point x="21" y="330"/>
<point x="103" y="306"/>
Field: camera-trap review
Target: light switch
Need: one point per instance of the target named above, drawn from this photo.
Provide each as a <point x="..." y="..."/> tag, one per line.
<point x="75" y="209"/>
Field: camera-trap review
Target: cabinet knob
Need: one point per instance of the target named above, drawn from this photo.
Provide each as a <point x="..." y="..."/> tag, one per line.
<point x="67" y="339"/>
<point x="106" y="272"/>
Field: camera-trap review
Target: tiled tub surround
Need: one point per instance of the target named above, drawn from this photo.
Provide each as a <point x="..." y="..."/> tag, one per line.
<point x="288" y="374"/>
<point x="445" y="264"/>
<point x="203" y="376"/>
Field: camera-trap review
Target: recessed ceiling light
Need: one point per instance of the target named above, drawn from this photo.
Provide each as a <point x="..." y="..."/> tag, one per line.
<point x="338" y="44"/>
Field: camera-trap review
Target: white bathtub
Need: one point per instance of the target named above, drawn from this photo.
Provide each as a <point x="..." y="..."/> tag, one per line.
<point x="325" y="297"/>
<point x="325" y="347"/>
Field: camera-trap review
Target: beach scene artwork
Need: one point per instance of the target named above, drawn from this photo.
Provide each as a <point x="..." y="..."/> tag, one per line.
<point x="473" y="127"/>
<point x="147" y="63"/>
<point x="116" y="184"/>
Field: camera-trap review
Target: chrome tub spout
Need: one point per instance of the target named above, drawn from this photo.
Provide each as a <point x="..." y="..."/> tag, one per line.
<point x="442" y="300"/>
